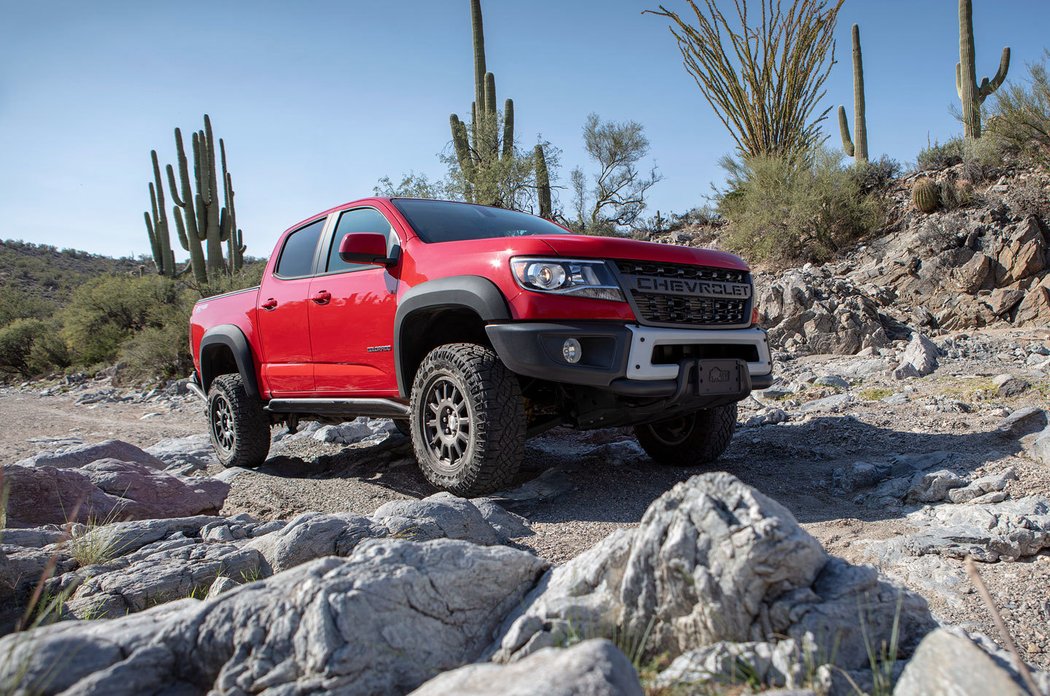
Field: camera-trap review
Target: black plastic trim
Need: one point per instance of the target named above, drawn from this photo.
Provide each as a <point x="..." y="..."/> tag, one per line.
<point x="761" y="381"/>
<point x="476" y="293"/>
<point x="533" y="349"/>
<point x="231" y="337"/>
<point x="373" y="408"/>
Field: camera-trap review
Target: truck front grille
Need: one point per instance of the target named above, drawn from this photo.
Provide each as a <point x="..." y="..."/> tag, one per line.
<point x="683" y="295"/>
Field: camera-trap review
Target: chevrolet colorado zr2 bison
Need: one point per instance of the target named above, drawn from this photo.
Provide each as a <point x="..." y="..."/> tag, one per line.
<point x="474" y="328"/>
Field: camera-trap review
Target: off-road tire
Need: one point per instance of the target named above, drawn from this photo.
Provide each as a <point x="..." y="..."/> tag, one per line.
<point x="493" y="435"/>
<point x="243" y="439"/>
<point x="692" y="440"/>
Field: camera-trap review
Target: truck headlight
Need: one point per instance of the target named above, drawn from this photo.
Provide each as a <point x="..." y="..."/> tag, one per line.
<point x="567" y="277"/>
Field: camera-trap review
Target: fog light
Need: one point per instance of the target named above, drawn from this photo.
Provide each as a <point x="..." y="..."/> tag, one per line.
<point x="572" y="351"/>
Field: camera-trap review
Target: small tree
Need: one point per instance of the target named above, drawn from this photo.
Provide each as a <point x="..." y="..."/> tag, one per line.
<point x="765" y="79"/>
<point x="618" y="195"/>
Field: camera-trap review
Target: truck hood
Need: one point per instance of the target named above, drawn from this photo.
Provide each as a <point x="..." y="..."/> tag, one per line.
<point x="588" y="247"/>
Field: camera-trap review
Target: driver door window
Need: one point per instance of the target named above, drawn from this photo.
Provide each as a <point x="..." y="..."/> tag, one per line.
<point x="360" y="220"/>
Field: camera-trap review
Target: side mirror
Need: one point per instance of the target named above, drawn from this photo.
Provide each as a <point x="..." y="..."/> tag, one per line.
<point x="364" y="247"/>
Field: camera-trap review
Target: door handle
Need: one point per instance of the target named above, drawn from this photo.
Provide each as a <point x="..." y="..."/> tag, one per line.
<point x="269" y="305"/>
<point x="322" y="297"/>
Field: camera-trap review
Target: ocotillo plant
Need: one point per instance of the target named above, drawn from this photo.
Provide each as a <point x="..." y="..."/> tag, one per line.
<point x="199" y="214"/>
<point x="157" y="225"/>
<point x="543" y="184"/>
<point x="972" y="94"/>
<point x="857" y="150"/>
<point x="479" y="147"/>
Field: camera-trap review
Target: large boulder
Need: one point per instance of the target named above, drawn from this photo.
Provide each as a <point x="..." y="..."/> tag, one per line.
<point x="919" y="358"/>
<point x="591" y="668"/>
<point x="712" y="560"/>
<point x="185" y="454"/>
<point x="105" y="489"/>
<point x="947" y="664"/>
<point x="387" y="619"/>
<point x="79" y="455"/>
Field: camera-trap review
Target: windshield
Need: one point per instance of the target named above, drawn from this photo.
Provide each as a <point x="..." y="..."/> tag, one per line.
<point x="445" y="221"/>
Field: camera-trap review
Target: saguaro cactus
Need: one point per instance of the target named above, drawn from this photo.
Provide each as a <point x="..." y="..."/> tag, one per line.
<point x="972" y="94"/>
<point x="477" y="148"/>
<point x="199" y="214"/>
<point x="543" y="183"/>
<point x="857" y="150"/>
<point x="157" y="225"/>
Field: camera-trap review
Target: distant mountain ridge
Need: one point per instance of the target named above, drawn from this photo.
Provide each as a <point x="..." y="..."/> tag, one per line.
<point x="45" y="272"/>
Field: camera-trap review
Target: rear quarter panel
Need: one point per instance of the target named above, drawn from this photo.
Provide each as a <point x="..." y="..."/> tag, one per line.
<point x="237" y="308"/>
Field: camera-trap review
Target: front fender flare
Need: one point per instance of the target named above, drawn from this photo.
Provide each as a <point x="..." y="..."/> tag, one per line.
<point x="231" y="337"/>
<point x="476" y="293"/>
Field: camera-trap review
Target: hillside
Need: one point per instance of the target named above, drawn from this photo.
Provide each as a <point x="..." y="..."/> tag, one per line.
<point x="44" y="272"/>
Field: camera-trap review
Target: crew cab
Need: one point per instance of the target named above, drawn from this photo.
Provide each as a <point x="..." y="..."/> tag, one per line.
<point x="474" y="328"/>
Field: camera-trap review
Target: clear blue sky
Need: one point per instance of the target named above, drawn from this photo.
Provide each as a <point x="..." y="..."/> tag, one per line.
<point x="317" y="100"/>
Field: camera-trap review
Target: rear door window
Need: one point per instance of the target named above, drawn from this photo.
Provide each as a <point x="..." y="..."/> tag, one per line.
<point x="297" y="256"/>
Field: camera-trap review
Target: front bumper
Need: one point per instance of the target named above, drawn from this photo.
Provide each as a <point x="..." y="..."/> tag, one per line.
<point x="628" y="359"/>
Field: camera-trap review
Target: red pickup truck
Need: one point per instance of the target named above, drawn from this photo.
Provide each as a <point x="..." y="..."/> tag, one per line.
<point x="474" y="328"/>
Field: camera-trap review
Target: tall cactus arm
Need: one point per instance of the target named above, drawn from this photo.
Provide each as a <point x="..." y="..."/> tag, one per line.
<point x="490" y="95"/>
<point x="988" y="87"/>
<point x="459" y="142"/>
<point x="180" y="227"/>
<point x="508" y="129"/>
<point x="958" y="80"/>
<point x="847" y="141"/>
<point x="158" y="259"/>
<point x="478" y="30"/>
<point x="543" y="183"/>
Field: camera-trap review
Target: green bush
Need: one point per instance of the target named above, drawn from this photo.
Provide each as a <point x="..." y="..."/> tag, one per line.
<point x="1021" y="115"/>
<point x="104" y="312"/>
<point x="159" y="352"/>
<point x="983" y="158"/>
<point x="30" y="347"/>
<point x="875" y="175"/>
<point x="808" y="209"/>
<point x="937" y="156"/>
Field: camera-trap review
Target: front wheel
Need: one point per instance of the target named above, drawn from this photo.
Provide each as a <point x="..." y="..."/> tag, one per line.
<point x="690" y="440"/>
<point x="240" y="429"/>
<point x="468" y="420"/>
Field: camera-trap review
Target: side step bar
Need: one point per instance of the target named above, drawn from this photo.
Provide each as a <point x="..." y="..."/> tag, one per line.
<point x="373" y="408"/>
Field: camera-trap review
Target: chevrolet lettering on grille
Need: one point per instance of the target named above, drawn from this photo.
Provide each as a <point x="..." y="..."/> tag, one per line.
<point x="685" y="286"/>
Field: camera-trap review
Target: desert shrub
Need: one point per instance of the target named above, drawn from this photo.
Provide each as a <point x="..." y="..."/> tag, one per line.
<point x="104" y="312"/>
<point x="956" y="194"/>
<point x="983" y="158"/>
<point x="30" y="347"/>
<point x="872" y="176"/>
<point x="16" y="303"/>
<point x="938" y="156"/>
<point x="804" y="209"/>
<point x="161" y="351"/>
<point x="1021" y="115"/>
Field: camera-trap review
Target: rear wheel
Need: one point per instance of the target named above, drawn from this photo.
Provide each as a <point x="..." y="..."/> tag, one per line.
<point x="468" y="421"/>
<point x="690" y="440"/>
<point x="240" y="429"/>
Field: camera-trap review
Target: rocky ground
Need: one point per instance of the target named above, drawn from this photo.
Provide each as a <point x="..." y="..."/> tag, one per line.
<point x="907" y="431"/>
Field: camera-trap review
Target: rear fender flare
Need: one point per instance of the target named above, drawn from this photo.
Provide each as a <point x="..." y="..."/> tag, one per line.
<point x="231" y="337"/>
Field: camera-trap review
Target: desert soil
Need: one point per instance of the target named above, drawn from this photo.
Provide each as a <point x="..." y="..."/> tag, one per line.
<point x="575" y="488"/>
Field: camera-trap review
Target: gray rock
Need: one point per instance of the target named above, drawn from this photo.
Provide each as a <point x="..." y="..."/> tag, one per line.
<point x="390" y="617"/>
<point x="105" y="489"/>
<point x="767" y="416"/>
<point x="34" y="537"/>
<point x="314" y="535"/>
<point x="1008" y="530"/>
<point x="354" y="431"/>
<point x="833" y="381"/>
<point x="187" y="453"/>
<point x="859" y="475"/>
<point x="1010" y="385"/>
<point x="1023" y="422"/>
<point x="919" y="359"/>
<point x="946" y="664"/>
<point x="77" y="456"/>
<point x="222" y="585"/>
<point x="860" y="369"/>
<point x="1039" y="450"/>
<point x="828" y="403"/>
<point x="982" y="486"/>
<point x="591" y="668"/>
<point x="546" y="487"/>
<point x="725" y="664"/>
<point x="934" y="487"/>
<point x="188" y="570"/>
<point x="507" y="524"/>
